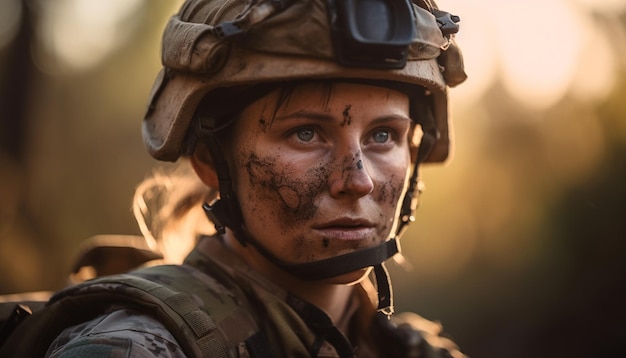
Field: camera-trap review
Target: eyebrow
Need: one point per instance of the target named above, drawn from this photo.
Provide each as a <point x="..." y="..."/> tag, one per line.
<point x="322" y="117"/>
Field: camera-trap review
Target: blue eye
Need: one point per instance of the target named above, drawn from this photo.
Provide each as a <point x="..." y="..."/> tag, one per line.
<point x="381" y="136"/>
<point x="305" y="135"/>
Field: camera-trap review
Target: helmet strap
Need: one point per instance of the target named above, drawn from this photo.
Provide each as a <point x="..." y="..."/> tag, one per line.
<point x="224" y="212"/>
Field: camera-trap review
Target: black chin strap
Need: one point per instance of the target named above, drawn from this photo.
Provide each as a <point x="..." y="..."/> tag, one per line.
<point x="337" y="265"/>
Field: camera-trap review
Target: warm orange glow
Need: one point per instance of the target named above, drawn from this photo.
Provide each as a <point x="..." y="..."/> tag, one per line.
<point x="541" y="49"/>
<point x="602" y="5"/>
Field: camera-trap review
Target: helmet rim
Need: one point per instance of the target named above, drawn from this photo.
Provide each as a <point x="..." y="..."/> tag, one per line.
<point x="176" y="94"/>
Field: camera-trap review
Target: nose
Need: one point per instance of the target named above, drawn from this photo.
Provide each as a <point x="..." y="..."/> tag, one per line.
<point x="350" y="177"/>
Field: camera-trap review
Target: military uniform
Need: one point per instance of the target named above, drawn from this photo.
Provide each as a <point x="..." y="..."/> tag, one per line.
<point x="245" y="301"/>
<point x="120" y="333"/>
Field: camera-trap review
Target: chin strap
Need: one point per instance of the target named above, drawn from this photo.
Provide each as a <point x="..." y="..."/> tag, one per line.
<point x="337" y="265"/>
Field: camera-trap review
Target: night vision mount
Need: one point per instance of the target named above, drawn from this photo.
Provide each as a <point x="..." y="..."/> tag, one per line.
<point x="371" y="33"/>
<point x="378" y="33"/>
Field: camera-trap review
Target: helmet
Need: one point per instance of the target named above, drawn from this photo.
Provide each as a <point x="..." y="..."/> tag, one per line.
<point x="212" y="46"/>
<point x="223" y="43"/>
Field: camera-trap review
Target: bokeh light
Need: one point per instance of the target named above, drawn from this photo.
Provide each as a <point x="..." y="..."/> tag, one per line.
<point x="538" y="48"/>
<point x="80" y="33"/>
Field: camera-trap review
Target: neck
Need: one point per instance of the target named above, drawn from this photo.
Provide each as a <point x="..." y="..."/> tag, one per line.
<point x="331" y="298"/>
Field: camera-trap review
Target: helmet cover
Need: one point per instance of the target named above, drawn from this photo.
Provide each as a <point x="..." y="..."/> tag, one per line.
<point x="212" y="44"/>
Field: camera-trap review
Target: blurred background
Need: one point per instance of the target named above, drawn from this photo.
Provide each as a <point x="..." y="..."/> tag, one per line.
<point x="519" y="247"/>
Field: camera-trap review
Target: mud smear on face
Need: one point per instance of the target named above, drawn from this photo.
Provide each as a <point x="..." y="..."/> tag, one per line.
<point x="389" y="192"/>
<point x="301" y="253"/>
<point x="347" y="118"/>
<point x="350" y="165"/>
<point x="295" y="192"/>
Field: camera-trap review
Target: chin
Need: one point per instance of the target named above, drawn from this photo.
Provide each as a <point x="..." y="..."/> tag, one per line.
<point x="349" y="278"/>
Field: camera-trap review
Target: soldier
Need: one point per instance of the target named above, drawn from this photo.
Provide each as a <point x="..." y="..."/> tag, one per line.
<point x="311" y="118"/>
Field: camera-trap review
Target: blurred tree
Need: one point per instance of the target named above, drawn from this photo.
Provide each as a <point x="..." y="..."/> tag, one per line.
<point x="19" y="75"/>
<point x="18" y="72"/>
<point x="70" y="149"/>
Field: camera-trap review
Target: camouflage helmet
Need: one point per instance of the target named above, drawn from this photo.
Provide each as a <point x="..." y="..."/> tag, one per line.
<point x="213" y="44"/>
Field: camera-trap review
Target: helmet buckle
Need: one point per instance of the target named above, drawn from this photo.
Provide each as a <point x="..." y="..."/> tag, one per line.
<point x="448" y="23"/>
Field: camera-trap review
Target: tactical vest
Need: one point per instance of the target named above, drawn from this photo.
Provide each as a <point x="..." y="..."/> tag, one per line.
<point x="207" y="318"/>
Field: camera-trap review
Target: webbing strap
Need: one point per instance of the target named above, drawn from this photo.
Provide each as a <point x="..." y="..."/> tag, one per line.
<point x="176" y="310"/>
<point x="200" y="322"/>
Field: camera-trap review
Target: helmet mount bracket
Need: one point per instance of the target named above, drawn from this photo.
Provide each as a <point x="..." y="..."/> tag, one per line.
<point x="371" y="33"/>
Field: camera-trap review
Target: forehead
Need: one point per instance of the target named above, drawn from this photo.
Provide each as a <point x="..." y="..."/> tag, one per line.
<point x="327" y="96"/>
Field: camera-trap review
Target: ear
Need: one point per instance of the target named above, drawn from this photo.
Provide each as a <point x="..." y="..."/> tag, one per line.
<point x="203" y="166"/>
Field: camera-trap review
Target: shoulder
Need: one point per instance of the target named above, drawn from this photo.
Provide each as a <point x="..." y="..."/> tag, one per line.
<point x="120" y="333"/>
<point x="181" y="310"/>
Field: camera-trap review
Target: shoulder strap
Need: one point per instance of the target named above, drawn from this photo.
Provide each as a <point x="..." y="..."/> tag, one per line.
<point x="194" y="329"/>
<point x="11" y="315"/>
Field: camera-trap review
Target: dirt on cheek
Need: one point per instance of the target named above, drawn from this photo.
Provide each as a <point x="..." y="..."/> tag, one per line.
<point x="290" y="197"/>
<point x="389" y="191"/>
<point x="301" y="251"/>
<point x="286" y="188"/>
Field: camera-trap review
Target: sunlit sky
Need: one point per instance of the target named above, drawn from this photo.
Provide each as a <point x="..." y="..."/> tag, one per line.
<point x="541" y="49"/>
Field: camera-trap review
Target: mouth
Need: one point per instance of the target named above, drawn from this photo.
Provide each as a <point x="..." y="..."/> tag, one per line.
<point x="346" y="229"/>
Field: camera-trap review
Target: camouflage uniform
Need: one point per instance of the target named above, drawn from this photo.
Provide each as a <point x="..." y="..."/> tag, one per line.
<point x="242" y="294"/>
<point x="120" y="333"/>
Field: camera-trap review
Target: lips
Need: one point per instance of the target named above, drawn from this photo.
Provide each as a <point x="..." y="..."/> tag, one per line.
<point x="346" y="229"/>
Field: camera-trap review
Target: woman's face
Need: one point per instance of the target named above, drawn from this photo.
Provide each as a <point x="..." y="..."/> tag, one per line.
<point x="320" y="172"/>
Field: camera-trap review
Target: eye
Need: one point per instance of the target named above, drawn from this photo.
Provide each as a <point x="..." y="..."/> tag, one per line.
<point x="305" y="134"/>
<point x="381" y="136"/>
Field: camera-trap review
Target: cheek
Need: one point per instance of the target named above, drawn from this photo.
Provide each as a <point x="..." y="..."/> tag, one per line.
<point x="388" y="192"/>
<point x="390" y="184"/>
<point x="276" y="183"/>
